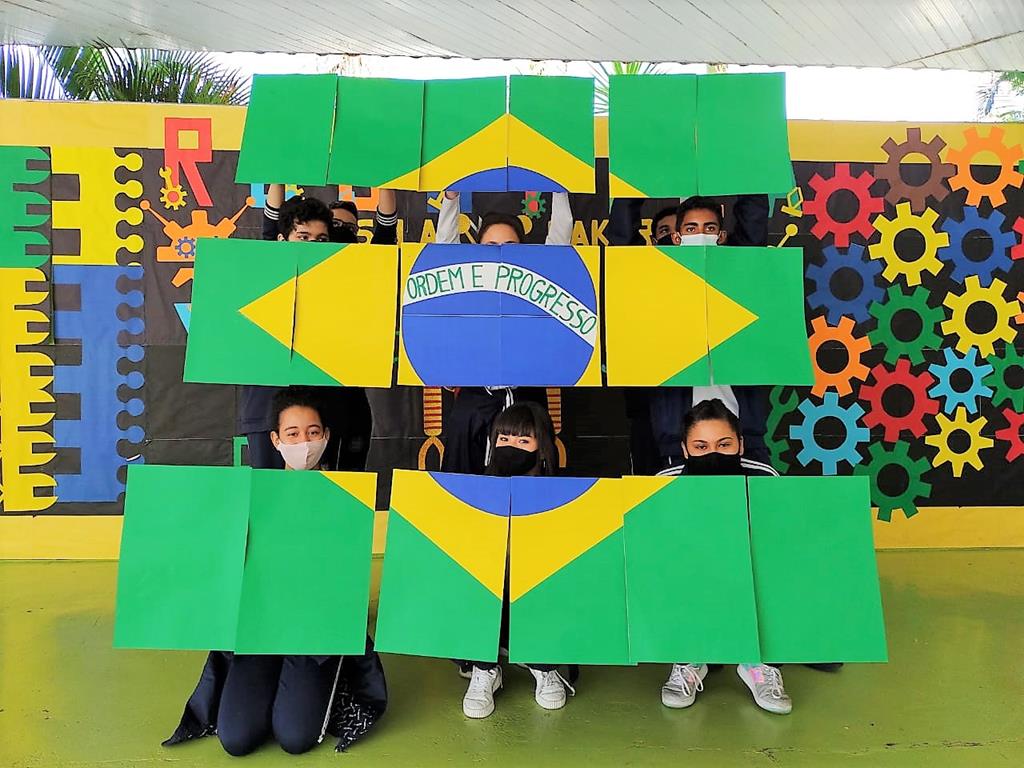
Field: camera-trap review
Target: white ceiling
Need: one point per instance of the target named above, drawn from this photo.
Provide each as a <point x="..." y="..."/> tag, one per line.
<point x="950" y="34"/>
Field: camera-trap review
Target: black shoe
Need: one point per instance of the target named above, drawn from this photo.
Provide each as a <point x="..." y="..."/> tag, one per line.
<point x="832" y="666"/>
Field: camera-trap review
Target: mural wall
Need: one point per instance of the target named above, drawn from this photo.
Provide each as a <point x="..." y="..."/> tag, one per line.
<point x="912" y="236"/>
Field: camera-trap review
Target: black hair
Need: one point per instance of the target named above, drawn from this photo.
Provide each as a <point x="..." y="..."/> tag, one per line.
<point x="345" y="205"/>
<point x="698" y="203"/>
<point x="288" y="397"/>
<point x="710" y="410"/>
<point x="672" y="210"/>
<point x="493" y="218"/>
<point x="301" y="210"/>
<point x="529" y="419"/>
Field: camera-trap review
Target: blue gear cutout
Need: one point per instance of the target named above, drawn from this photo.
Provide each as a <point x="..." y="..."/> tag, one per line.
<point x="186" y="247"/>
<point x="821" y="275"/>
<point x="943" y="387"/>
<point x="108" y="327"/>
<point x="999" y="259"/>
<point x="812" y="450"/>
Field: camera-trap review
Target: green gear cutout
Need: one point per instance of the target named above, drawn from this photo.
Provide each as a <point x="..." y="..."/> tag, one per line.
<point x="881" y="457"/>
<point x="538" y="203"/>
<point x="1002" y="391"/>
<point x="917" y="302"/>
<point x="780" y="408"/>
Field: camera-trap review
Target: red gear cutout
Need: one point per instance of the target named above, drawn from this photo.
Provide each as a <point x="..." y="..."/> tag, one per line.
<point x="1011" y="433"/>
<point x="1017" y="251"/>
<point x="918" y="385"/>
<point x="866" y="205"/>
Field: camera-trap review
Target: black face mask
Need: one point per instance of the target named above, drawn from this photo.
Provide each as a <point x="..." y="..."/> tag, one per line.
<point x="342" y="234"/>
<point x="510" y="461"/>
<point x="665" y="240"/>
<point x="714" y="463"/>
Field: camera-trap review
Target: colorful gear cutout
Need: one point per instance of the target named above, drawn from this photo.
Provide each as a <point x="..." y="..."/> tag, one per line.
<point x="534" y="206"/>
<point x="905" y="221"/>
<point x="1011" y="433"/>
<point x="975" y="145"/>
<point x="991" y="225"/>
<point x="943" y="372"/>
<point x="1005" y="312"/>
<point x="918" y="385"/>
<point x="917" y="302"/>
<point x="946" y="455"/>
<point x="1002" y="391"/>
<point x="855" y="347"/>
<point x="866" y="205"/>
<point x="821" y="275"/>
<point x="171" y="195"/>
<point x="185" y="247"/>
<point x="1017" y="251"/>
<point x="881" y="457"/>
<point x="917" y="194"/>
<point x="812" y="450"/>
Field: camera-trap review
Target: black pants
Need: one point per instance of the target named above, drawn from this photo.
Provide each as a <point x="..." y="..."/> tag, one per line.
<point x="262" y="453"/>
<point x="284" y="697"/>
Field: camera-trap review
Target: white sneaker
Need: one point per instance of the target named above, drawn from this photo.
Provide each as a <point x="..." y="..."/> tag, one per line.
<point x="765" y="683"/>
<point x="680" y="690"/>
<point x="478" y="702"/>
<point x="550" y="691"/>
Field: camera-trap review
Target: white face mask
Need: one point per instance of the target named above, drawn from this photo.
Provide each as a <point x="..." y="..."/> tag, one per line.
<point x="303" y="455"/>
<point x="699" y="239"/>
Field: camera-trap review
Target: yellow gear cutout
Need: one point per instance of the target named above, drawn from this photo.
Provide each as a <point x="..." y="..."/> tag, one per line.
<point x="946" y="455"/>
<point x="975" y="145"/>
<point x="904" y="221"/>
<point x="1005" y="312"/>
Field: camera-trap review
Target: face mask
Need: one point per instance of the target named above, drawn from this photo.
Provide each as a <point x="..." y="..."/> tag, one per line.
<point x="714" y="464"/>
<point x="303" y="455"/>
<point x="340" y="233"/>
<point x="700" y="239"/>
<point x="665" y="240"/>
<point x="509" y="461"/>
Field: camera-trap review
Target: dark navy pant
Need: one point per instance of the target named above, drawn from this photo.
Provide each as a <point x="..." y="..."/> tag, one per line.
<point x="285" y="698"/>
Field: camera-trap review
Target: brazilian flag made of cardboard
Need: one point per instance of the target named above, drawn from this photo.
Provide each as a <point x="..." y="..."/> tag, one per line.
<point x="444" y="566"/>
<point x="268" y="312"/>
<point x="567" y="578"/>
<point x="551" y="134"/>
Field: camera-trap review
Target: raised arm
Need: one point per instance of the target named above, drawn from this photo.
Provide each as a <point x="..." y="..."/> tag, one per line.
<point x="385" y="221"/>
<point x="448" y="219"/>
<point x="271" y="209"/>
<point x="560" y="226"/>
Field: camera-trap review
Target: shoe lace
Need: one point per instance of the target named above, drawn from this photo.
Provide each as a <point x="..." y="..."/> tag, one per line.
<point x="773" y="681"/>
<point x="685" y="675"/>
<point x="480" y="683"/>
<point x="552" y="678"/>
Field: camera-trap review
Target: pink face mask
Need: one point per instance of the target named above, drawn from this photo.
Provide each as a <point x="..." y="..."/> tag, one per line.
<point x="303" y="455"/>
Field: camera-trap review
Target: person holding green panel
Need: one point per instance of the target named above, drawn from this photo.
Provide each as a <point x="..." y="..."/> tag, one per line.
<point x="306" y="219"/>
<point x="712" y="444"/>
<point x="249" y="699"/>
<point x="469" y="422"/>
<point x="522" y="442"/>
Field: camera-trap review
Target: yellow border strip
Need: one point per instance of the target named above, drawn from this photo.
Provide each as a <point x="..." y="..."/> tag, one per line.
<point x="72" y="537"/>
<point x="96" y="124"/>
<point x="141" y="126"/>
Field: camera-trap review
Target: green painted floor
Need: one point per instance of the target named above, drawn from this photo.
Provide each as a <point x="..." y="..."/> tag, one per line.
<point x="952" y="694"/>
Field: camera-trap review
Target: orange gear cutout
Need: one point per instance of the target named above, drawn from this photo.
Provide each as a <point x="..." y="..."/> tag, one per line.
<point x="975" y="145"/>
<point x="855" y="347"/>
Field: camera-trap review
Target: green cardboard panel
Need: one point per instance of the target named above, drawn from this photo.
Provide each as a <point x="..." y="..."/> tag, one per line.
<point x="182" y="552"/>
<point x="742" y="135"/>
<point x="288" y="128"/>
<point x="648" y="114"/>
<point x="578" y="614"/>
<point x="225" y="346"/>
<point x="772" y="348"/>
<point x="690" y="586"/>
<point x="815" y="575"/>
<point x="429" y="604"/>
<point x="307" y="572"/>
<point x="378" y="131"/>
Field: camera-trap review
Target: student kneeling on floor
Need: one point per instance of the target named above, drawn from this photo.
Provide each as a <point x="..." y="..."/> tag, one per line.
<point x="249" y="699"/>
<point x="712" y="444"/>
